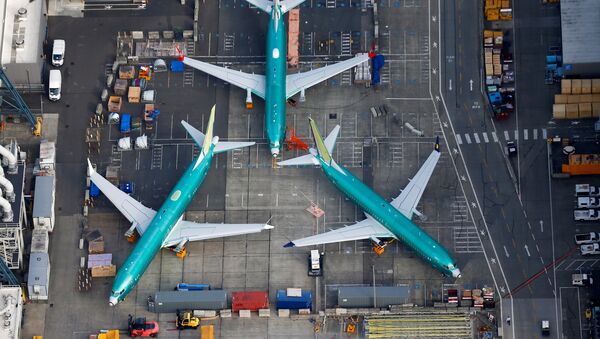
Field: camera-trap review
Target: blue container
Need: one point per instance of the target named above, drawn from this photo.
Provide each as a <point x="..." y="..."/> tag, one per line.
<point x="125" y="123"/>
<point x="192" y="287"/>
<point x="126" y="187"/>
<point x="94" y="190"/>
<point x="378" y="62"/>
<point x="293" y="303"/>
<point x="176" y="66"/>
<point x="495" y="98"/>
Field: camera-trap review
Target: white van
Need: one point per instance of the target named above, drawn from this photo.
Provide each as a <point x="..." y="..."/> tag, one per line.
<point x="54" y="85"/>
<point x="58" y="52"/>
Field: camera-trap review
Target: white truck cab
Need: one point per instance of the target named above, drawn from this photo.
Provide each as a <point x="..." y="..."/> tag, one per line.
<point x="590" y="249"/>
<point x="586" y="215"/>
<point x="58" y="52"/>
<point x="587" y="238"/>
<point x="54" y="85"/>
<point x="583" y="190"/>
<point x="315" y="260"/>
<point x="581" y="279"/>
<point x="588" y="202"/>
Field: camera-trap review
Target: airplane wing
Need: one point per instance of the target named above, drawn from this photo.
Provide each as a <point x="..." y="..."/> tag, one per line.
<point x="254" y="82"/>
<point x="186" y="231"/>
<point x="365" y="229"/>
<point x="407" y="201"/>
<point x="133" y="210"/>
<point x="299" y="81"/>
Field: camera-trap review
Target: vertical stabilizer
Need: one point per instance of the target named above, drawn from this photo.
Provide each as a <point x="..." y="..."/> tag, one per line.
<point x="321" y="148"/>
<point x="209" y="132"/>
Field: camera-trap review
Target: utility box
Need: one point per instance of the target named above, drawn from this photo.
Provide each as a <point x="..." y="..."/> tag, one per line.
<point x="43" y="203"/>
<point x="171" y="301"/>
<point x="39" y="276"/>
<point x="39" y="241"/>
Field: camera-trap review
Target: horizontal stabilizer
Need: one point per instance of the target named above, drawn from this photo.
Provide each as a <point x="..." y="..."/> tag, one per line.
<point x="186" y="231"/>
<point x="224" y="146"/>
<point x="304" y="160"/>
<point x="194" y="133"/>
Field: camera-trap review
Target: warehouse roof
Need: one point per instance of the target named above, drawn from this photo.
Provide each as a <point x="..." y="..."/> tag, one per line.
<point x="580" y="31"/>
<point x="20" y="27"/>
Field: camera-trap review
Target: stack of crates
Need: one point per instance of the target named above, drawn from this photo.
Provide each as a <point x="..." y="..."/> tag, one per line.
<point x="492" y="46"/>
<point x="498" y="10"/>
<point x="579" y="99"/>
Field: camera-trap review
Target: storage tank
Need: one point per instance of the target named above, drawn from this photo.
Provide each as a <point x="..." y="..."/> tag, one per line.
<point x="353" y="297"/>
<point x="171" y="301"/>
<point x="290" y="301"/>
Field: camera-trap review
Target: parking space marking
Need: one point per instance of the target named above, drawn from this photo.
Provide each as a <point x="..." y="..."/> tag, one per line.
<point x="476" y="136"/>
<point x="535" y="134"/>
<point x="468" y="138"/>
<point x="485" y="137"/>
<point x="495" y="136"/>
<point x="458" y="139"/>
<point x="525" y="134"/>
<point x="544" y="133"/>
<point x="506" y="137"/>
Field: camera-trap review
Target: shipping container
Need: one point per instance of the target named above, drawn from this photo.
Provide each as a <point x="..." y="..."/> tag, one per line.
<point x="286" y="301"/>
<point x="38" y="277"/>
<point x="353" y="297"/>
<point x="171" y="301"/>
<point x="39" y="241"/>
<point x="252" y="301"/>
<point x="43" y="203"/>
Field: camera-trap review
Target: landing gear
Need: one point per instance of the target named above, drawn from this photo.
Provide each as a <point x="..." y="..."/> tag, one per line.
<point x="380" y="245"/>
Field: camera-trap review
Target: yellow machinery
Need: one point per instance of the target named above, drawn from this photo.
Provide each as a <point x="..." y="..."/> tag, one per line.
<point x="145" y="72"/>
<point x="186" y="320"/>
<point x="207" y="332"/>
<point x="37" y="131"/>
<point x="112" y="334"/>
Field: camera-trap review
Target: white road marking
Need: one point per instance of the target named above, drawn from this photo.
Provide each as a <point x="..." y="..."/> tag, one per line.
<point x="458" y="139"/>
<point x="476" y="138"/>
<point x="468" y="138"/>
<point x="506" y="137"/>
<point x="506" y="252"/>
<point x="495" y="136"/>
<point x="485" y="137"/>
<point x="529" y="254"/>
<point x="544" y="133"/>
<point x="516" y="134"/>
<point x="525" y="134"/>
<point x="535" y="134"/>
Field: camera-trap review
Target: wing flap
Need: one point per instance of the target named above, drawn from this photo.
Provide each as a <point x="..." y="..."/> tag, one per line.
<point x="254" y="82"/>
<point x="191" y="231"/>
<point x="296" y="82"/>
<point x="365" y="229"/>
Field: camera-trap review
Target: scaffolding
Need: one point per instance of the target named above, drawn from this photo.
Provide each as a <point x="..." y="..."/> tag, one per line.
<point x="11" y="102"/>
<point x="11" y="233"/>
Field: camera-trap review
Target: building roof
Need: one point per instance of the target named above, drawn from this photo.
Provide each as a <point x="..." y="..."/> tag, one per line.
<point x="43" y="200"/>
<point x="11" y="306"/>
<point x="27" y="30"/>
<point x="580" y="31"/>
<point x="38" y="269"/>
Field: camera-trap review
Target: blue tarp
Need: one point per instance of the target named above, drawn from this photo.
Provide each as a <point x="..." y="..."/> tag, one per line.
<point x="192" y="287"/>
<point x="378" y="62"/>
<point x="176" y="66"/>
<point x="495" y="98"/>
<point x="94" y="190"/>
<point x="125" y="123"/>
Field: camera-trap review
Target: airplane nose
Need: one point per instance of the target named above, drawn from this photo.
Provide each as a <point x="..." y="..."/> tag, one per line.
<point x="456" y="273"/>
<point x="112" y="301"/>
<point x="275" y="152"/>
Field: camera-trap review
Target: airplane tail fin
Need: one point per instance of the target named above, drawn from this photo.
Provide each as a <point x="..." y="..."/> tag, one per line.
<point x="267" y="6"/>
<point x="327" y="148"/>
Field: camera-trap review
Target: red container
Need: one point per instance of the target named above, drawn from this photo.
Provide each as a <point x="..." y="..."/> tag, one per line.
<point x="252" y="301"/>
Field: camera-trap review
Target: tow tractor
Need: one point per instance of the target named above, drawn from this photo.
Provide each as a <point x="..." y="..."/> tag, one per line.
<point x="142" y="328"/>
<point x="186" y="320"/>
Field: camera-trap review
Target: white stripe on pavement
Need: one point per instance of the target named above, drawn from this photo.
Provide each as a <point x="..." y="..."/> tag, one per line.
<point x="535" y="134"/>
<point x="525" y="134"/>
<point x="485" y="137"/>
<point x="516" y="135"/>
<point x="468" y="138"/>
<point x="506" y="137"/>
<point x="544" y="134"/>
<point x="476" y="138"/>
<point x="458" y="139"/>
<point x="495" y="136"/>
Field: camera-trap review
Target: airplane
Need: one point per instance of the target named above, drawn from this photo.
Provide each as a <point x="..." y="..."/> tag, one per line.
<point x="275" y="87"/>
<point x="384" y="220"/>
<point x="166" y="228"/>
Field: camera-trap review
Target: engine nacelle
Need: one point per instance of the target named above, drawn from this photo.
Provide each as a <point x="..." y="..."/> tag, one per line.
<point x="249" y="104"/>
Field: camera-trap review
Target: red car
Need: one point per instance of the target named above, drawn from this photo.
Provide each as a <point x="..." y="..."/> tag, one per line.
<point x="142" y="328"/>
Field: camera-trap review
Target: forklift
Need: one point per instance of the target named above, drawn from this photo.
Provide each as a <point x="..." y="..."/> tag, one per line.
<point x="142" y="328"/>
<point x="186" y="320"/>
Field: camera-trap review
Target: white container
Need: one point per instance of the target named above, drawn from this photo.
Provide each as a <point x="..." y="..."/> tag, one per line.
<point x="39" y="241"/>
<point x="283" y="313"/>
<point x="43" y="203"/>
<point x="39" y="276"/>
<point x="264" y="313"/>
<point x="245" y="314"/>
<point x="293" y="292"/>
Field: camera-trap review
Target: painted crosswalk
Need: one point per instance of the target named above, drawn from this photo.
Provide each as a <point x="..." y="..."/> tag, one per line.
<point x="515" y="135"/>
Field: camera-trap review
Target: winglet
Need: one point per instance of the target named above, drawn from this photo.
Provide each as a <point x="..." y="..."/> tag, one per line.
<point x="289" y="244"/>
<point x="321" y="149"/>
<point x="268" y="227"/>
<point x="180" y="57"/>
<point x="437" y="144"/>
<point x="209" y="131"/>
<point x="90" y="169"/>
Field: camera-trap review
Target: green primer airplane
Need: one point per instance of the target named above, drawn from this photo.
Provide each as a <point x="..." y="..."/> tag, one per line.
<point x="276" y="87"/>
<point x="384" y="220"/>
<point x="166" y="228"/>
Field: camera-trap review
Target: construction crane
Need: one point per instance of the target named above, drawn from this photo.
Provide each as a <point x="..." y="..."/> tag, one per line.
<point x="11" y="102"/>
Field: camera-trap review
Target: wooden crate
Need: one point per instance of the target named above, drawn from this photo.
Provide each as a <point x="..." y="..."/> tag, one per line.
<point x="596" y="86"/>
<point x="559" y="111"/>
<point x="134" y="95"/>
<point x="586" y="86"/>
<point x="561" y="99"/>
<point x="596" y="110"/>
<point x="565" y="86"/>
<point x="104" y="271"/>
<point x="585" y="110"/>
<point x="572" y="111"/>
<point x="575" y="86"/>
<point x="573" y="99"/>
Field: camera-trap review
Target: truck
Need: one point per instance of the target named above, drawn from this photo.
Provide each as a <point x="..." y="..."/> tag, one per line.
<point x="586" y="215"/>
<point x="582" y="279"/>
<point x="315" y="261"/>
<point x="582" y="190"/>
<point x="588" y="202"/>
<point x="587" y="238"/>
<point x="590" y="249"/>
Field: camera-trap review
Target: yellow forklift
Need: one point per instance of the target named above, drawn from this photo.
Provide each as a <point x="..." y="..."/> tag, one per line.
<point x="186" y="320"/>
